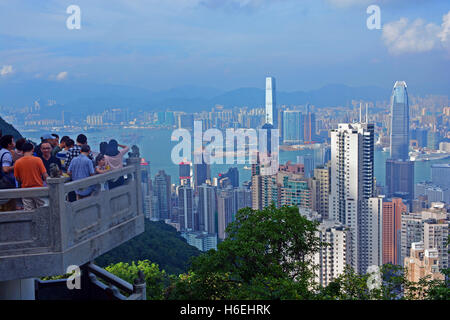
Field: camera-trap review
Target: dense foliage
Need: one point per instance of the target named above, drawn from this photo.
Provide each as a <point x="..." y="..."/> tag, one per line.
<point x="268" y="255"/>
<point x="160" y="243"/>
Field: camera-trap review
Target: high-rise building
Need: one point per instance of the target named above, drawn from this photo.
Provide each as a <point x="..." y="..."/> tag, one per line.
<point x="440" y="175"/>
<point x="207" y="209"/>
<point x="434" y="222"/>
<point x="309" y="126"/>
<point x="186" y="207"/>
<point x="162" y="192"/>
<point x="292" y="127"/>
<point x="422" y="262"/>
<point x="400" y="179"/>
<point x="392" y="229"/>
<point x="352" y="185"/>
<point x="225" y="210"/>
<point x="202" y="173"/>
<point x="271" y="102"/>
<point x="435" y="236"/>
<point x="242" y="198"/>
<point x="321" y="190"/>
<point x="185" y="173"/>
<point x="399" y="128"/>
<point x="399" y="169"/>
<point x="147" y="192"/>
<point x="371" y="245"/>
<point x="332" y="259"/>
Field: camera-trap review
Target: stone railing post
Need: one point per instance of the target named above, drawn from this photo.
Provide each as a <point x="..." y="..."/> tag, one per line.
<point x="57" y="213"/>
<point x="136" y="162"/>
<point x="139" y="286"/>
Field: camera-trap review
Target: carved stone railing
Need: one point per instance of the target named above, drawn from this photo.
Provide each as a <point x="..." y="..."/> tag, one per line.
<point x="45" y="241"/>
<point x="96" y="284"/>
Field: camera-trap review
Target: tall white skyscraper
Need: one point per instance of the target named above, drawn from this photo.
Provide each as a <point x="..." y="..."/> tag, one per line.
<point x="271" y="102"/>
<point x="352" y="187"/>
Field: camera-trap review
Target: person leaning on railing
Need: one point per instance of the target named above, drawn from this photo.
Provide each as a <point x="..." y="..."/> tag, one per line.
<point x="82" y="167"/>
<point x="30" y="172"/>
<point x="114" y="158"/>
<point x="7" y="180"/>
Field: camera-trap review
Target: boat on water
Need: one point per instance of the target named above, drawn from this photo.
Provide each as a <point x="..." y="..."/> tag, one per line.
<point x="428" y="156"/>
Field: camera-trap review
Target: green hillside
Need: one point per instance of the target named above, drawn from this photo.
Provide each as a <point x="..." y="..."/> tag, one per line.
<point x="160" y="243"/>
<point x="7" y="128"/>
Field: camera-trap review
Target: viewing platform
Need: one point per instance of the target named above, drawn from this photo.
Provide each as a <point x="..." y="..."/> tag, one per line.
<point x="46" y="241"/>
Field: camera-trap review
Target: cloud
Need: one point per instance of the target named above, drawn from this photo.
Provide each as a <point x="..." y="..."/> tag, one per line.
<point x="236" y="4"/>
<point x="61" y="76"/>
<point x="6" y="70"/>
<point x="418" y="36"/>
<point x="349" y="3"/>
<point x="444" y="35"/>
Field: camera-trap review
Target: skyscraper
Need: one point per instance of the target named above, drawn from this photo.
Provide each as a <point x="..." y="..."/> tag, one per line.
<point x="399" y="122"/>
<point x="352" y="186"/>
<point x="334" y="258"/>
<point x="225" y="210"/>
<point x="202" y="172"/>
<point x="186" y="206"/>
<point x="292" y="127"/>
<point x="392" y="229"/>
<point x="207" y="208"/>
<point x="309" y="125"/>
<point x="271" y="102"/>
<point x="399" y="169"/>
<point x="162" y="193"/>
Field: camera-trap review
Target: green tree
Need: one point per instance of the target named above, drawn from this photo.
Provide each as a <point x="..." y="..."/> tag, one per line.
<point x="267" y="255"/>
<point x="156" y="280"/>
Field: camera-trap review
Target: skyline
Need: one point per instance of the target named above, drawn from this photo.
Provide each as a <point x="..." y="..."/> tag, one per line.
<point x="160" y="45"/>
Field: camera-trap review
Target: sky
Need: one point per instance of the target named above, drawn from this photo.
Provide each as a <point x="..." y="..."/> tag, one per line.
<point x="228" y="44"/>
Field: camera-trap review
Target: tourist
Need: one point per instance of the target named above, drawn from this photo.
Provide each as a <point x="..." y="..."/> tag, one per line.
<point x="48" y="137"/>
<point x="6" y="159"/>
<point x="7" y="171"/>
<point x="48" y="159"/>
<point x="64" y="153"/>
<point x="114" y="158"/>
<point x="30" y="173"/>
<point x="103" y="147"/>
<point x="82" y="167"/>
<point x="18" y="152"/>
<point x="101" y="166"/>
<point x="59" y="147"/>
<point x="76" y="150"/>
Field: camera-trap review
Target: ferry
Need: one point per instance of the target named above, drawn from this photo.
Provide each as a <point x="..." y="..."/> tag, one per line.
<point x="428" y="156"/>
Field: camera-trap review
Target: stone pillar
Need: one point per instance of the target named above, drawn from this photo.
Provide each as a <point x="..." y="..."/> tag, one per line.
<point x="139" y="286"/>
<point x="57" y="213"/>
<point x="136" y="162"/>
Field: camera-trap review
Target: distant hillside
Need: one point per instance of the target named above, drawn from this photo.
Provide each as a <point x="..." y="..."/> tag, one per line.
<point x="6" y="128"/>
<point x="160" y="243"/>
<point x="88" y="98"/>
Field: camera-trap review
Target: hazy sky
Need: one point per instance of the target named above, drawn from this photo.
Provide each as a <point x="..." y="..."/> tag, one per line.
<point x="160" y="44"/>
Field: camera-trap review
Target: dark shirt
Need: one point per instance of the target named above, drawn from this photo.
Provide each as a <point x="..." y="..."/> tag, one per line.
<point x="74" y="152"/>
<point x="51" y="160"/>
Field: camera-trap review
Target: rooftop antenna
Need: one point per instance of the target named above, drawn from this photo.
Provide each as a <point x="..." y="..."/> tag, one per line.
<point x="360" y="112"/>
<point x="367" y="113"/>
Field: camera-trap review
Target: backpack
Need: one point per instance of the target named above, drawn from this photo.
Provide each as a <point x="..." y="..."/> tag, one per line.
<point x="5" y="181"/>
